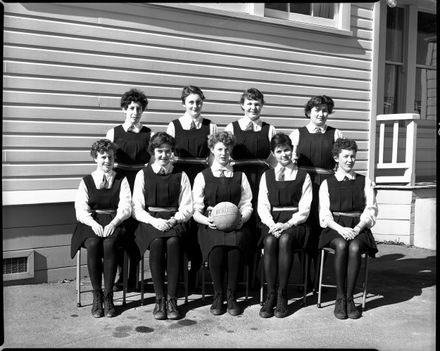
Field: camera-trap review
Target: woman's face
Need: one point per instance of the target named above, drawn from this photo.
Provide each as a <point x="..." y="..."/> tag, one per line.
<point x="252" y="108"/>
<point x="283" y="154"/>
<point x="105" y="161"/>
<point x="318" y="115"/>
<point x="162" y="155"/>
<point x="346" y="160"/>
<point x="222" y="153"/>
<point x="193" y="105"/>
<point x="133" y="113"/>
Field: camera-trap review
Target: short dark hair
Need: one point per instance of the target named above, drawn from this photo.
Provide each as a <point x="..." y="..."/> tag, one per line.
<point x="100" y="146"/>
<point x="252" y="94"/>
<point x="159" y="139"/>
<point x="343" y="144"/>
<point x="318" y="101"/>
<point x="134" y="95"/>
<point x="280" y="139"/>
<point x="226" y="138"/>
<point x="191" y="89"/>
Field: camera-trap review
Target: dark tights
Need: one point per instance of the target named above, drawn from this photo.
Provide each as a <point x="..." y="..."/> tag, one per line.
<point x="278" y="257"/>
<point x="165" y="251"/>
<point x="224" y="259"/>
<point x="101" y="257"/>
<point x="347" y="264"/>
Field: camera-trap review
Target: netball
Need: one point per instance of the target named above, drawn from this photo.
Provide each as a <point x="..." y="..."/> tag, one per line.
<point x="225" y="216"/>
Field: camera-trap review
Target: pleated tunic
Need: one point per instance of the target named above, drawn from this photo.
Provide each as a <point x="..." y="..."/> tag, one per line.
<point x="99" y="199"/>
<point x="285" y="194"/>
<point x="346" y="197"/>
<point x="161" y="191"/>
<point x="219" y="190"/>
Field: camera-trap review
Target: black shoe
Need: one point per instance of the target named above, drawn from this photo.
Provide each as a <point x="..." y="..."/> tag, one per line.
<point x="281" y="308"/>
<point x="217" y="306"/>
<point x="352" y="311"/>
<point x="233" y="307"/>
<point x="159" y="311"/>
<point x="267" y="309"/>
<point x="97" y="310"/>
<point x="172" y="311"/>
<point x="109" y="308"/>
<point x="341" y="308"/>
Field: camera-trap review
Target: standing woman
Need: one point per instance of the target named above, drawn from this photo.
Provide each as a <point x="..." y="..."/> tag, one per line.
<point x="224" y="250"/>
<point x="251" y="154"/>
<point x="191" y="155"/>
<point x="102" y="203"/>
<point x="131" y="139"/>
<point x="162" y="203"/>
<point x="347" y="211"/>
<point x="313" y="144"/>
<point x="283" y="206"/>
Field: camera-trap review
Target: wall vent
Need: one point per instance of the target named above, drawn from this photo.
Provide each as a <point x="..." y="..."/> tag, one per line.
<point x="18" y="265"/>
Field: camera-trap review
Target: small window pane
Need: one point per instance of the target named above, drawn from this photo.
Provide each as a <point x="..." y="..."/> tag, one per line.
<point x="426" y="39"/>
<point x="393" y="89"/>
<point x="281" y="6"/>
<point x="425" y="102"/>
<point x="323" y="10"/>
<point x="394" y="41"/>
<point x="303" y="8"/>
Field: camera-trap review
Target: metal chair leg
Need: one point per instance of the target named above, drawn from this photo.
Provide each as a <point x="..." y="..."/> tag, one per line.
<point x="185" y="276"/>
<point x="321" y="268"/>
<point x="305" y="274"/>
<point x="78" y="278"/>
<point x="364" y="285"/>
<point x="203" y="281"/>
<point x="124" y="278"/>
<point x="142" y="279"/>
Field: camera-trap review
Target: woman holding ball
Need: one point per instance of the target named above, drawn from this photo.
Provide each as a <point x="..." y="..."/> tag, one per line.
<point x="223" y="250"/>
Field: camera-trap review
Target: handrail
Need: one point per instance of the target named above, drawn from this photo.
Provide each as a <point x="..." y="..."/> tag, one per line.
<point x="408" y="166"/>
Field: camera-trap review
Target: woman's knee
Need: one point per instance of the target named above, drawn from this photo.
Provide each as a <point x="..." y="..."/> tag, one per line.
<point x="92" y="244"/>
<point x="285" y="241"/>
<point x="339" y="244"/>
<point x="173" y="242"/>
<point x="355" y="247"/>
<point x="270" y="243"/>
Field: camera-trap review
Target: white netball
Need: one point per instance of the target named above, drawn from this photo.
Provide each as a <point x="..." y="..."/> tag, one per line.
<point x="225" y="216"/>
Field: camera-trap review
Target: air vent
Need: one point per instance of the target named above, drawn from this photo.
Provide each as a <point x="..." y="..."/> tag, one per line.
<point x="18" y="265"/>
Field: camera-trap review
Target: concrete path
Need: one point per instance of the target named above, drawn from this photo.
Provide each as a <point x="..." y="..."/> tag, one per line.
<point x="400" y="315"/>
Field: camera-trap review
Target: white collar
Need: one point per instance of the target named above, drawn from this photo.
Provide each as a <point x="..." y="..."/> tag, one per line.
<point x="339" y="174"/>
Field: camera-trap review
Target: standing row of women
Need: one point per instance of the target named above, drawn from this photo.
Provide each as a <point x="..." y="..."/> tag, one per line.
<point x="169" y="217"/>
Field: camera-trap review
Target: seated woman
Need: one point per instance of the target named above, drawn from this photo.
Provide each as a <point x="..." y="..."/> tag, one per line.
<point x="347" y="211"/>
<point x="102" y="204"/>
<point x="162" y="203"/>
<point x="223" y="250"/>
<point x="284" y="201"/>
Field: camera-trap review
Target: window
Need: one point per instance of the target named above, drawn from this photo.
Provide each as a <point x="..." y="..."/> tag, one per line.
<point x="410" y="64"/>
<point x="393" y="101"/>
<point x="322" y="14"/>
<point x="426" y="66"/>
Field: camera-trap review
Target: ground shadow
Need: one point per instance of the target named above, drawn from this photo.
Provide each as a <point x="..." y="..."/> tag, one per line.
<point x="391" y="277"/>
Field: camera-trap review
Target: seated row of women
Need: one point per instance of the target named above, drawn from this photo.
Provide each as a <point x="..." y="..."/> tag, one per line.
<point x="163" y="203"/>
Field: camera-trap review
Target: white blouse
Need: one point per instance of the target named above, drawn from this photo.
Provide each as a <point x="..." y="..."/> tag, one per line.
<point x="185" y="121"/>
<point x="264" y="206"/>
<point x="82" y="208"/>
<point x="368" y="215"/>
<point x="185" y="209"/>
<point x="245" y="204"/>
